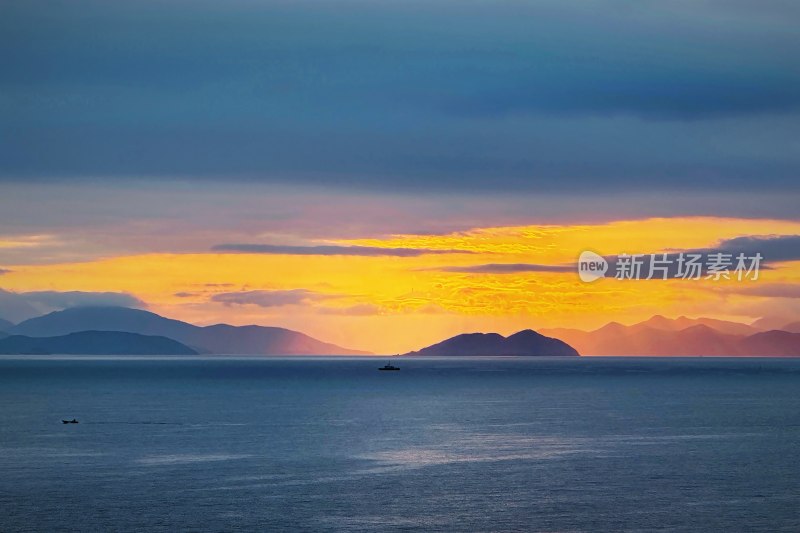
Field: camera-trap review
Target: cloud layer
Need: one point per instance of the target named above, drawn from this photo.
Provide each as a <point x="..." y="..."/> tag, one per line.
<point x="772" y="248"/>
<point x="435" y="96"/>
<point x="266" y="298"/>
<point x="508" y="268"/>
<point x="373" y="251"/>
<point x="18" y="306"/>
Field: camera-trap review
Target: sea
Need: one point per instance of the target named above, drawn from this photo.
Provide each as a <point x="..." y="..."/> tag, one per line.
<point x="334" y="444"/>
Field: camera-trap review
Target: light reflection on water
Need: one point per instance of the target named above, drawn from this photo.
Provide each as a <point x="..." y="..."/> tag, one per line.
<point x="331" y="444"/>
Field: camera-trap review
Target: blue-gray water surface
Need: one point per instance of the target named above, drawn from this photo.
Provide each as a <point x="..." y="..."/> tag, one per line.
<point x="331" y="444"/>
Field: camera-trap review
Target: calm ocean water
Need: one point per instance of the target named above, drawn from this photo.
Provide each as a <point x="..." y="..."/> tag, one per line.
<point x="327" y="444"/>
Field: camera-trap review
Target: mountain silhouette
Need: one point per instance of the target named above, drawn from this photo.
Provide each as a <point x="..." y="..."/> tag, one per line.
<point x="659" y="336"/>
<point x="792" y="327"/>
<point x="769" y="323"/>
<point x="523" y="343"/>
<point x="217" y="339"/>
<point x="94" y="343"/>
<point x="682" y="322"/>
<point x="775" y="342"/>
<point x="5" y="325"/>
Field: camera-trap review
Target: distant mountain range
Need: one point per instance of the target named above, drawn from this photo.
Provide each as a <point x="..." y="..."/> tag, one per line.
<point x="792" y="327"/>
<point x="523" y="343"/>
<point x="660" y="336"/>
<point x="781" y="323"/>
<point x="217" y="339"/>
<point x="94" y="343"/>
<point x="121" y="330"/>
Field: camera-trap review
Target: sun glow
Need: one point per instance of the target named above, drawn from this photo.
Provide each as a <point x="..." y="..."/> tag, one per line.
<point x="392" y="304"/>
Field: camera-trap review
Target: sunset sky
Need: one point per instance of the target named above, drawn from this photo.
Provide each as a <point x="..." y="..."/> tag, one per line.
<point x="358" y="170"/>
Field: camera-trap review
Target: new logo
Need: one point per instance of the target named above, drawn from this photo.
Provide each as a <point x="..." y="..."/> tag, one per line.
<point x="591" y="266"/>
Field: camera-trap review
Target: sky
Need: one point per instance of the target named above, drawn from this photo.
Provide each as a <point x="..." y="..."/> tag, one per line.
<point x="358" y="170"/>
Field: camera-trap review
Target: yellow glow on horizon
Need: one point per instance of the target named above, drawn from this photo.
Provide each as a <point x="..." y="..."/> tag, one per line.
<point x="391" y="304"/>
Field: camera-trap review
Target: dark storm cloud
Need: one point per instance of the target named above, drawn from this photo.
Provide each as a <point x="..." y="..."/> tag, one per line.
<point x="412" y="96"/>
<point x="330" y="250"/>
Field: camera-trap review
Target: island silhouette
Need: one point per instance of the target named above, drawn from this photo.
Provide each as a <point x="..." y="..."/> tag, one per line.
<point x="114" y="330"/>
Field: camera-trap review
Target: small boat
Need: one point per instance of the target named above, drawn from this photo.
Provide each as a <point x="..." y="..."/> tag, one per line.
<point x="73" y="421"/>
<point x="389" y="367"/>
